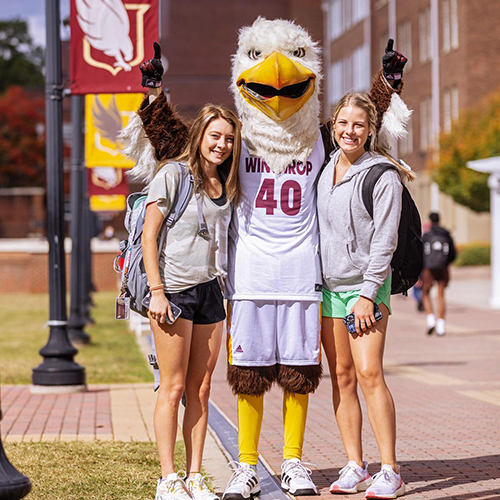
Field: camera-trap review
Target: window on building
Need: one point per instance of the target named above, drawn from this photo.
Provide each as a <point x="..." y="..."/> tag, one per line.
<point x="360" y="10"/>
<point x="350" y="74"/>
<point x="424" y="33"/>
<point x="446" y="111"/>
<point x="446" y="26"/>
<point x="336" y="84"/>
<point x="426" y="129"/>
<point x="406" y="142"/>
<point x="361" y="69"/>
<point x="403" y="41"/>
<point x="382" y="43"/>
<point x="454" y="103"/>
<point x="450" y="25"/>
<point x="343" y="14"/>
<point x="335" y="20"/>
<point x="454" y="23"/>
<point x="450" y="108"/>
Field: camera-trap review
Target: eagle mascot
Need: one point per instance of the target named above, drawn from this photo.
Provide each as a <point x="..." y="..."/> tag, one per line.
<point x="274" y="283"/>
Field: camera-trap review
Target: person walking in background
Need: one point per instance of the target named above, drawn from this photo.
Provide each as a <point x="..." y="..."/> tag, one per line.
<point x="439" y="253"/>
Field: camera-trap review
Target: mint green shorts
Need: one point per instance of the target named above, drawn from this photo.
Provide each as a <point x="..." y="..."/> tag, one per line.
<point x="339" y="304"/>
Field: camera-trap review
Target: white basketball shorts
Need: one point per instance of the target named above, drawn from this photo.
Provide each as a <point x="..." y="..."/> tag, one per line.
<point x="266" y="332"/>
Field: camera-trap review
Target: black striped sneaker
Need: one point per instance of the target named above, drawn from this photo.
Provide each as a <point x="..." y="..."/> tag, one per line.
<point x="295" y="478"/>
<point x="243" y="484"/>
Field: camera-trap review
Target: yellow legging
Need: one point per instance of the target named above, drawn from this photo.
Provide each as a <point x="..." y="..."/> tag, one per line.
<point x="250" y="413"/>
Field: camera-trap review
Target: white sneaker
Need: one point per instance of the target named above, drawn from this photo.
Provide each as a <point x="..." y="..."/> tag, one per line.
<point x="172" y="487"/>
<point x="243" y="484"/>
<point x="386" y="484"/>
<point x="352" y="478"/>
<point x="295" y="478"/>
<point x="198" y="489"/>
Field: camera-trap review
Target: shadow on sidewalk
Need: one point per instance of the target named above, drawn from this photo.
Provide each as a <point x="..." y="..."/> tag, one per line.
<point x="440" y="475"/>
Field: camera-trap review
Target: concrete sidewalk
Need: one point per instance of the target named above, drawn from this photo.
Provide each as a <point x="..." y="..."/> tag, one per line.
<point x="447" y="393"/>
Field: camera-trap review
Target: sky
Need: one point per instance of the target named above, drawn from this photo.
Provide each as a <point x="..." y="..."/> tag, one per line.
<point x="33" y="11"/>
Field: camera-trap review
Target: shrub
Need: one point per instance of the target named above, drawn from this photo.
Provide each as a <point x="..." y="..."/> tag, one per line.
<point x="475" y="254"/>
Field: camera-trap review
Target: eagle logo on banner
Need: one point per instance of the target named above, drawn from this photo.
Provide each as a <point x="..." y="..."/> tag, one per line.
<point x="106" y="28"/>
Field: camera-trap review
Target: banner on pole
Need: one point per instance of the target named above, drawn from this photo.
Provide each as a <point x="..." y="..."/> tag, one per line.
<point x="108" y="41"/>
<point x="105" y="117"/>
<point x="108" y="203"/>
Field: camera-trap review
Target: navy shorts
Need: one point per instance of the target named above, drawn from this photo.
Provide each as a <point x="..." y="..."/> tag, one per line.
<point x="202" y="304"/>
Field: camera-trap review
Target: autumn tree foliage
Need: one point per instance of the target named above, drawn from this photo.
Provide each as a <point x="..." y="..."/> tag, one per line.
<point x="476" y="136"/>
<point x="22" y="141"/>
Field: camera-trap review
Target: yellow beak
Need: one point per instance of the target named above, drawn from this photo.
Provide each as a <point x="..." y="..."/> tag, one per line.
<point x="277" y="86"/>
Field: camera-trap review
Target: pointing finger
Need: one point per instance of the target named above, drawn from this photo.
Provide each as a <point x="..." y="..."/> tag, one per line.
<point x="390" y="45"/>
<point x="157" y="48"/>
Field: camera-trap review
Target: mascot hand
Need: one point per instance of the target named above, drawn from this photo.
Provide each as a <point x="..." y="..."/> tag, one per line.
<point x="152" y="69"/>
<point x="393" y="64"/>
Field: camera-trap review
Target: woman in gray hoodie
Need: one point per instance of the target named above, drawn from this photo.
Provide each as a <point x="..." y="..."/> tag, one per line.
<point x="356" y="252"/>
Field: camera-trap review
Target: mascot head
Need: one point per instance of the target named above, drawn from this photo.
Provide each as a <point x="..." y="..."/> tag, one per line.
<point x="275" y="82"/>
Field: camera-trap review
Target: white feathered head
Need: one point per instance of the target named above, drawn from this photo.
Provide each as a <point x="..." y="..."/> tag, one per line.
<point x="275" y="82"/>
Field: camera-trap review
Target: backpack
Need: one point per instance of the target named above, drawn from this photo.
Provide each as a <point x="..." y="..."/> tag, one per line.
<point x="407" y="260"/>
<point x="130" y="261"/>
<point x="436" y="250"/>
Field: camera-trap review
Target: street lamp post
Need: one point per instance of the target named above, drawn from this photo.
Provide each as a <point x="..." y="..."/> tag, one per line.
<point x="76" y="324"/>
<point x="13" y="484"/>
<point x="58" y="367"/>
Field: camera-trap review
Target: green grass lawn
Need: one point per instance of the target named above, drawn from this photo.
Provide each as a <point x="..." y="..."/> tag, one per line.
<point x="100" y="471"/>
<point x="112" y="356"/>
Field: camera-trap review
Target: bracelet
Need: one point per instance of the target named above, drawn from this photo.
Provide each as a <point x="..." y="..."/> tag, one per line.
<point x="156" y="287"/>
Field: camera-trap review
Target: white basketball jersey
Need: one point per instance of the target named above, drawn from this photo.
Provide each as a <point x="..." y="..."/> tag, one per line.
<point x="273" y="236"/>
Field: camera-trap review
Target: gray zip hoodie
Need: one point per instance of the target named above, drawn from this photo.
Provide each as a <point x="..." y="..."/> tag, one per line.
<point x="356" y="251"/>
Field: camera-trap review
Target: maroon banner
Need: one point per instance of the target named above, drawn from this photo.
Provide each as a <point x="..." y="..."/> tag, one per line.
<point x="109" y="39"/>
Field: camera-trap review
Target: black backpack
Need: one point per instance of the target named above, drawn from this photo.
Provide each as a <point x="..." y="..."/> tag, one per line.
<point x="436" y="250"/>
<point x="407" y="260"/>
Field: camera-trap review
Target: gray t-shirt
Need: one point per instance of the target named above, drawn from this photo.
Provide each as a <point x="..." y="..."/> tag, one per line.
<point x="188" y="259"/>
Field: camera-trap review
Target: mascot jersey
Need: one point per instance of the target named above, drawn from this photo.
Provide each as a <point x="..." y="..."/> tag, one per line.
<point x="273" y="236"/>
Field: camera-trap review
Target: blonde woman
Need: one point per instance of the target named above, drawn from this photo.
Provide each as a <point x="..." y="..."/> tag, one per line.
<point x="188" y="273"/>
<point x="356" y="252"/>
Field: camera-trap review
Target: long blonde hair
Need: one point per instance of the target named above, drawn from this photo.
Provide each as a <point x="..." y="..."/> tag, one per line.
<point x="191" y="154"/>
<point x="363" y="101"/>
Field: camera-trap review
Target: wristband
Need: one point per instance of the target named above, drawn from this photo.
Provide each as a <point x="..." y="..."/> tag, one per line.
<point x="156" y="287"/>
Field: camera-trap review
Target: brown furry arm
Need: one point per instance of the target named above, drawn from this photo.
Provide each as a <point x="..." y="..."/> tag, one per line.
<point x="381" y="94"/>
<point x="164" y="127"/>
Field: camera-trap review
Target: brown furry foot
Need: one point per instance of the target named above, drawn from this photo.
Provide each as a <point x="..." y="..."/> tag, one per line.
<point x="299" y="379"/>
<point x="251" y="380"/>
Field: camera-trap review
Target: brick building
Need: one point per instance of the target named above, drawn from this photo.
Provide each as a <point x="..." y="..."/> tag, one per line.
<point x="451" y="46"/>
<point x="199" y="37"/>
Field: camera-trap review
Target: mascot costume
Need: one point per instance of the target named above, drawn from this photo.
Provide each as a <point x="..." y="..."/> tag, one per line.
<point x="274" y="283"/>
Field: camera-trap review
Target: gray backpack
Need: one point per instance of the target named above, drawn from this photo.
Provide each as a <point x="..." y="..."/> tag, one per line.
<point x="134" y="279"/>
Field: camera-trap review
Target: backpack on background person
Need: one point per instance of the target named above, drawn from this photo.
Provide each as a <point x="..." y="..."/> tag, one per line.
<point x="438" y="248"/>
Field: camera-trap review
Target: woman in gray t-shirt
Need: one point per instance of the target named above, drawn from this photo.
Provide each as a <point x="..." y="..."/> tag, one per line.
<point x="187" y="275"/>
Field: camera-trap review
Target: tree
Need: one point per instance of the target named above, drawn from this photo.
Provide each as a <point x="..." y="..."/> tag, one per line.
<point x="22" y="139"/>
<point x="474" y="137"/>
<point x="21" y="61"/>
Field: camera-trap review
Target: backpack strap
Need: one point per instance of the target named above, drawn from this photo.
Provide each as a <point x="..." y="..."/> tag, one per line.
<point x="182" y="195"/>
<point x="369" y="182"/>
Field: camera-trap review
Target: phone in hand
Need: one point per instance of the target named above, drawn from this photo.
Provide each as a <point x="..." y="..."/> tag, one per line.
<point x="176" y="310"/>
<point x="350" y="320"/>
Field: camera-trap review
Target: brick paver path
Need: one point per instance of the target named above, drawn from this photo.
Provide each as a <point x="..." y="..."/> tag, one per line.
<point x="118" y="412"/>
<point x="447" y="394"/>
